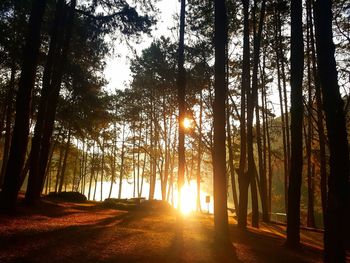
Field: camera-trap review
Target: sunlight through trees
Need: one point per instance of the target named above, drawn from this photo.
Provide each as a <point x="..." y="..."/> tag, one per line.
<point x="239" y="110"/>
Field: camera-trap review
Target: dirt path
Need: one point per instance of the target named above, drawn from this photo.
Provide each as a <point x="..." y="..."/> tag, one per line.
<point x="65" y="232"/>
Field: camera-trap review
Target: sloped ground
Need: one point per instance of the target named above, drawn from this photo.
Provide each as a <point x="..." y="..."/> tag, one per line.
<point x="69" y="232"/>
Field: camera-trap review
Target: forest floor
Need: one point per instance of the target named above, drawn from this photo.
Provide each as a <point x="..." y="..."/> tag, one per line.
<point x="72" y="232"/>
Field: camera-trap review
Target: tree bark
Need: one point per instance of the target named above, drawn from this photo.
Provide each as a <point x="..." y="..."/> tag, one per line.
<point x="251" y="104"/>
<point x="52" y="57"/>
<point x="337" y="213"/>
<point x="268" y="151"/>
<point x="92" y="170"/>
<point x="199" y="154"/>
<point x="297" y="66"/>
<point x="48" y="103"/>
<point x="74" y="188"/>
<point x="219" y="157"/>
<point x="8" y="115"/>
<point x="122" y="157"/>
<point x="309" y="138"/>
<point x="102" y="168"/>
<point x="181" y="89"/>
<point x="64" y="165"/>
<point x="243" y="176"/>
<point x="284" y="124"/>
<point x="58" y="173"/>
<point x="320" y="117"/>
<point x="231" y="162"/>
<point x="23" y="104"/>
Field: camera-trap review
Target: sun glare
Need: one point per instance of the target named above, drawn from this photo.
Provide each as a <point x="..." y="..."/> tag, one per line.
<point x="188" y="199"/>
<point x="188" y="195"/>
<point x="187" y="123"/>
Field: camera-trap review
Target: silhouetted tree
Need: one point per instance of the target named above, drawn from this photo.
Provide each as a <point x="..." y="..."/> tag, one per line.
<point x="181" y="86"/>
<point x="57" y="55"/>
<point x="337" y="210"/>
<point x="297" y="67"/>
<point x="243" y="178"/>
<point x="219" y="109"/>
<point x="23" y="105"/>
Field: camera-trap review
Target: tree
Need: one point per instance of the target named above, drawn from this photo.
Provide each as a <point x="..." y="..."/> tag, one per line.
<point x="252" y="99"/>
<point x="337" y="211"/>
<point x="57" y="56"/>
<point x="23" y="104"/>
<point x="154" y="87"/>
<point x="13" y="23"/>
<point x="61" y="39"/>
<point x="297" y="67"/>
<point x="181" y="85"/>
<point x="320" y="117"/>
<point x="219" y="107"/>
<point x="255" y="101"/>
<point x="281" y="9"/>
<point x="243" y="176"/>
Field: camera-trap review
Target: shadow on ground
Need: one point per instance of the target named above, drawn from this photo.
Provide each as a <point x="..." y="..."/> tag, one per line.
<point x="90" y="234"/>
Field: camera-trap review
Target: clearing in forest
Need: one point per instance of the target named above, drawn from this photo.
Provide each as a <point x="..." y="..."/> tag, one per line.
<point x="72" y="232"/>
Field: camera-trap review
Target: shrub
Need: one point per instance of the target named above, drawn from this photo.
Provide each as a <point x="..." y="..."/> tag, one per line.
<point x="68" y="196"/>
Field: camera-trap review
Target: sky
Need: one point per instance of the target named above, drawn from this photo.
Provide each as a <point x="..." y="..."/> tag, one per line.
<point x="117" y="70"/>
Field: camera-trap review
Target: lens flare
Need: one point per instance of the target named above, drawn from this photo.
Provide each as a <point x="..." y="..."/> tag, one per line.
<point x="187" y="123"/>
<point x="188" y="199"/>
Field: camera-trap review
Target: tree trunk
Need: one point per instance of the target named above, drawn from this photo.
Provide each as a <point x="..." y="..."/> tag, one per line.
<point x="231" y="161"/>
<point x="337" y="213"/>
<point x="82" y="167"/>
<point x="102" y="168"/>
<point x="23" y="104"/>
<point x="320" y="124"/>
<point x="309" y="138"/>
<point x="263" y="134"/>
<point x="52" y="149"/>
<point x="262" y="171"/>
<point x="8" y="114"/>
<point x="133" y="161"/>
<point x="164" y="179"/>
<point x="49" y="176"/>
<point x="74" y="188"/>
<point x="284" y="124"/>
<point x="143" y="175"/>
<point x="155" y="160"/>
<point x="243" y="176"/>
<point x="285" y="97"/>
<point x="251" y="104"/>
<point x="219" y="160"/>
<point x="311" y="199"/>
<point x="138" y="159"/>
<point x="24" y="172"/>
<point x="199" y="154"/>
<point x="92" y="170"/>
<point x="264" y="153"/>
<point x="152" y="159"/>
<point x="64" y="165"/>
<point x="95" y="185"/>
<point x="140" y="186"/>
<point x="297" y="66"/>
<point x="269" y="162"/>
<point x="59" y="168"/>
<point x="114" y="147"/>
<point x="122" y="157"/>
<point x="181" y="88"/>
<point x="48" y="103"/>
<point x="47" y="183"/>
<point x="52" y="57"/>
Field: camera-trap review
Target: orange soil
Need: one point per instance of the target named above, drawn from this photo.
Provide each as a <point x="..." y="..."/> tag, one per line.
<point x="69" y="232"/>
